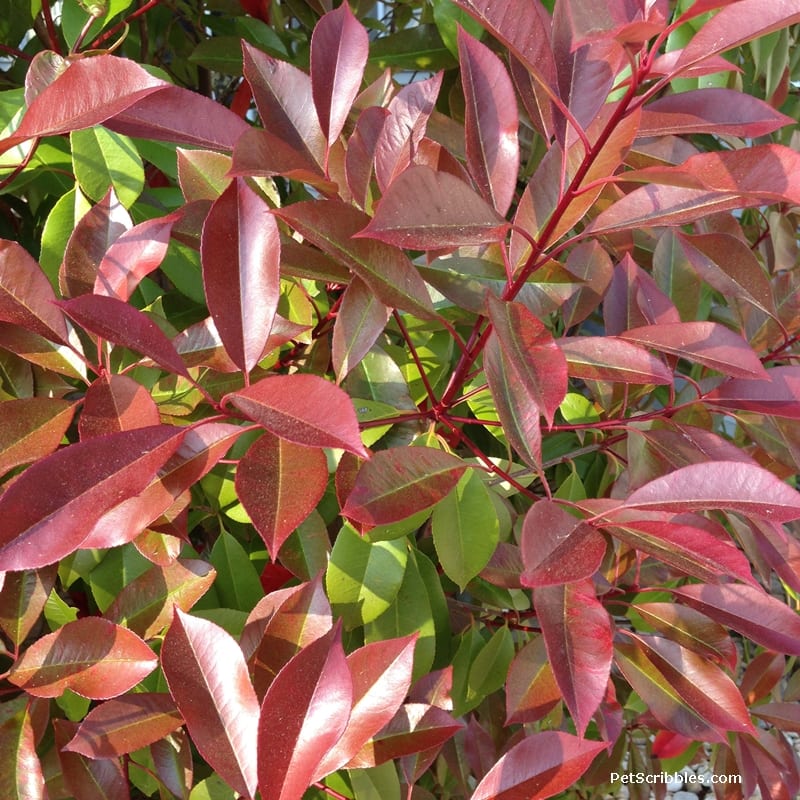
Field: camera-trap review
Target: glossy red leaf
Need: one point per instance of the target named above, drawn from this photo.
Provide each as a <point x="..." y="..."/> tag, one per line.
<point x="88" y="779"/>
<point x="146" y="604"/>
<point x="734" y="485"/>
<point x="684" y="691"/>
<point x="360" y="321"/>
<point x="125" y="325"/>
<point x="404" y="128"/>
<point x="558" y="547"/>
<point x="32" y="428"/>
<point x="427" y="210"/>
<point x="607" y="358"/>
<point x="578" y="634"/>
<point x="91" y="656"/>
<point x="711" y="110"/>
<point x="531" y="353"/>
<point x="531" y="688"/>
<point x="133" y="255"/>
<point x="173" y="761"/>
<point x="21" y="774"/>
<point x="389" y="273"/>
<point x="84" y="481"/>
<point x="540" y="766"/>
<point x="491" y="122"/>
<point x="22" y="599"/>
<point x="207" y="677"/>
<point x="201" y="345"/>
<point x="360" y="155"/>
<point x="381" y="673"/>
<point x="125" y="724"/>
<point x="396" y="483"/>
<point x="748" y="610"/>
<point x="240" y="252"/>
<point x="303" y="714"/>
<point x="628" y="22"/>
<point x="116" y="403"/>
<point x="285" y="104"/>
<point x="302" y="408"/>
<point x="26" y="297"/>
<point x="784" y="716"/>
<point x="66" y="104"/>
<point x="778" y="396"/>
<point x="339" y="50"/>
<point x="269" y="480"/>
<point x="707" y="343"/>
<point x="761" y="676"/>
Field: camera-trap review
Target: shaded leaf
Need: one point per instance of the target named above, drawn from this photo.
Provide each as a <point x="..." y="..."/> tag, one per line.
<point x="777" y="396"/>
<point x="531" y="688"/>
<point x="22" y="599"/>
<point x="361" y="152"/>
<point x="91" y="656"/>
<point x="32" y="428"/>
<point x="21" y="774"/>
<point x="237" y="584"/>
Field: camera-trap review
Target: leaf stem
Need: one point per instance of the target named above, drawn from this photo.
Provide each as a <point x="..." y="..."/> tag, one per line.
<point x="51" y="28"/>
<point x="413" y="350"/>
<point x="121" y="25"/>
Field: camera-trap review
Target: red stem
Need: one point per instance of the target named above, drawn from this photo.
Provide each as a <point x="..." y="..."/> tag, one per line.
<point x="413" y="350"/>
<point x="121" y="25"/>
<point x="51" y="28"/>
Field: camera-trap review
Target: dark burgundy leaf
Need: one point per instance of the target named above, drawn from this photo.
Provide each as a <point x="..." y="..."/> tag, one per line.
<point x="32" y="428"/>
<point x="778" y="396"/>
<point x="116" y="403"/>
<point x="302" y="408"/>
<point x="91" y="656"/>
<point x="240" y="253"/>
<point x="208" y="680"/>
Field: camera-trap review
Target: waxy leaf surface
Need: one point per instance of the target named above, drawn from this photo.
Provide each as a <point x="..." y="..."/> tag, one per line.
<point x="778" y="396"/>
<point x="21" y="775"/>
<point x="32" y="428"/>
<point x="22" y="599"/>
<point x="116" y="403"/>
<point x="607" y="358"/>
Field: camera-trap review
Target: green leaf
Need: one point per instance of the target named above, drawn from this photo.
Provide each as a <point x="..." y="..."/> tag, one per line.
<point x="118" y="568"/>
<point x="420" y="47"/>
<point x="376" y="783"/>
<point x="237" y="581"/>
<point x="363" y="578"/>
<point x="465" y="529"/>
<point x="102" y="158"/>
<point x="57" y="612"/>
<point x="73" y="18"/>
<point x="490" y="667"/>
<point x="448" y="16"/>
<point x="58" y="227"/>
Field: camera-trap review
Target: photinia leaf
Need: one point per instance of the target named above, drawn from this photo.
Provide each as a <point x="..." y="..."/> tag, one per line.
<point x="26" y="297"/>
<point x="558" y="547"/>
<point x="302" y="408"/>
<point x="578" y="634"/>
<point x="145" y="605"/>
<point x="777" y="396"/>
<point x="707" y="343"/>
<point x="339" y="51"/>
<point x="428" y="210"/>
<point x="240" y="252"/>
<point x="21" y="775"/>
<point x="125" y="325"/>
<point x="734" y="485"/>
<point x="361" y="152"/>
<point x="268" y="481"/>
<point x="22" y="599"/>
<point x="748" y="610"/>
<point x="784" y="716"/>
<point x="396" y="483"/>
<point x="539" y="766"/>
<point x="32" y="428"/>
<point x="607" y="358"/>
<point x="684" y="691"/>
<point x="381" y="673"/>
<point x="304" y="713"/>
<point x="389" y="273"/>
<point x="531" y="688"/>
<point x="491" y="122"/>
<point x="91" y="656"/>
<point x="84" y="481"/>
<point x="116" y="403"/>
<point x="125" y="724"/>
<point x="207" y="677"/>
<point x="173" y="761"/>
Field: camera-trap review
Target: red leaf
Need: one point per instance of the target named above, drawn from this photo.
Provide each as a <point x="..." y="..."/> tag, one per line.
<point x="404" y="128"/>
<point x="304" y="409"/>
<point x="734" y="485"/>
<point x="720" y="111"/>
<point x="125" y="325"/>
<point x="134" y="254"/>
<point x="628" y="22"/>
<point x="428" y="210"/>
<point x="784" y="716"/>
<point x="208" y="679"/>
<point x="578" y="634"/>
<point x="396" y="483"/>
<point x="339" y="50"/>
<point x="491" y="122"/>
<point x="606" y="358"/>
<point x="116" y="403"/>
<point x="126" y="724"/>
<point x="778" y="396"/>
<point x="87" y="93"/>
<point x="279" y="484"/>
<point x="748" y="610"/>
<point x="539" y="766"/>
<point x="389" y="273"/>
<point x="531" y="352"/>
<point x="26" y="297"/>
<point x="361" y="152"/>
<point x="381" y="673"/>
<point x="32" y="428"/>
<point x="240" y="253"/>
<point x="557" y="547"/>
<point x="91" y="656"/>
<point x="21" y="774"/>
<point x="84" y="481"/>
<point x="22" y="599"/>
<point x="531" y="688"/>
<point x="303" y="714"/>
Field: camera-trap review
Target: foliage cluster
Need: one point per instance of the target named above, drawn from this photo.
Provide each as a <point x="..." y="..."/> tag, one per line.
<point x="410" y="411"/>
